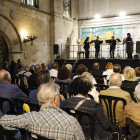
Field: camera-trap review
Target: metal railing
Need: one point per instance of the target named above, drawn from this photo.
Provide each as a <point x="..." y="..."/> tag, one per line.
<point x="71" y="51"/>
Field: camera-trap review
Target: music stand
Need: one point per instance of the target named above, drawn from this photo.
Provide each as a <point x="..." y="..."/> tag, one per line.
<point x="108" y="41"/>
<point x="118" y="40"/>
<point x="100" y="41"/>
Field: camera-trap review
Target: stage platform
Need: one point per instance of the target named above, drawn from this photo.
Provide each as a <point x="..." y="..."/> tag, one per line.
<point x="89" y="62"/>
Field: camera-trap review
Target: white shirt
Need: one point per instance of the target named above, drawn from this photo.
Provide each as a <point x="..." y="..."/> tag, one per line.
<point x="108" y="72"/>
<point x="53" y="72"/>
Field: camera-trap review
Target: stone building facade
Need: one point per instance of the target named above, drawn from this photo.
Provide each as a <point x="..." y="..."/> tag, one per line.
<point x="18" y="20"/>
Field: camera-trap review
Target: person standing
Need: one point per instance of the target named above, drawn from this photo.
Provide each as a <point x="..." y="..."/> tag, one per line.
<point x="97" y="47"/>
<point x="129" y="38"/>
<point x="86" y="47"/>
<point x="112" y="47"/>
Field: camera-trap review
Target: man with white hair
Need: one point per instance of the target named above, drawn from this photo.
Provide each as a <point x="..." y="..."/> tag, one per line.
<point x="69" y="66"/>
<point x="132" y="110"/>
<point x="115" y="82"/>
<point x="26" y="73"/>
<point x="8" y="90"/>
<point x="50" y="122"/>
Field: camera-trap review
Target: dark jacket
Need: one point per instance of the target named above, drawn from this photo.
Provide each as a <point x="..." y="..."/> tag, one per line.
<point x="96" y="72"/>
<point x="129" y="38"/>
<point x="10" y="91"/>
<point x="97" y="44"/>
<point x="33" y="98"/>
<point x="129" y="84"/>
<point x="32" y="81"/>
<point x="113" y="46"/>
<point x="102" y="124"/>
<point x="86" y="46"/>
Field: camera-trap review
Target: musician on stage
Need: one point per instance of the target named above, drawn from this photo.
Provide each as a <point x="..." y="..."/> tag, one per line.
<point x="86" y="47"/>
<point x="97" y="47"/>
<point x="112" y="47"/>
<point x="129" y="38"/>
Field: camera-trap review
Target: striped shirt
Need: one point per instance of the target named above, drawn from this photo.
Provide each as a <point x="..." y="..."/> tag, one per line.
<point x="50" y="122"/>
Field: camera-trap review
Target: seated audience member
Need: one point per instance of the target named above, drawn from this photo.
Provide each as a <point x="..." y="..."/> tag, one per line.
<point x="42" y="77"/>
<point x="32" y="78"/>
<point x="114" y="90"/>
<point x="80" y="70"/>
<point x="93" y="92"/>
<point x="20" y="67"/>
<point x="108" y="70"/>
<point x="64" y="76"/>
<point x="129" y="76"/>
<point x="53" y="71"/>
<point x="8" y="90"/>
<point x="43" y="66"/>
<point x="95" y="70"/>
<point x="26" y="73"/>
<point x="117" y="69"/>
<point x="80" y="87"/>
<point x="69" y="66"/>
<point x="132" y="110"/>
<point x="137" y="71"/>
<point x="56" y="123"/>
<point x="126" y="68"/>
<point x="6" y="66"/>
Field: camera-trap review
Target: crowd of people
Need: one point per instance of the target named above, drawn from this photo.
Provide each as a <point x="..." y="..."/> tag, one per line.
<point x="52" y="121"/>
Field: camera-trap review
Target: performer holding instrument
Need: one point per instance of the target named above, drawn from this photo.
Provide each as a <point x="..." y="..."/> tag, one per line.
<point x="112" y="47"/>
<point x="129" y="38"/>
<point x="86" y="47"/>
<point x="97" y="47"/>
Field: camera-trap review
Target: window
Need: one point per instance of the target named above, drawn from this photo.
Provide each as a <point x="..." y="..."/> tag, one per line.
<point x="33" y="3"/>
<point x="66" y="8"/>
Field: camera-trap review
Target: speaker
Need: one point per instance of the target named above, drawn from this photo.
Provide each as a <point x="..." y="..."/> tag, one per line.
<point x="138" y="47"/>
<point x="55" y="49"/>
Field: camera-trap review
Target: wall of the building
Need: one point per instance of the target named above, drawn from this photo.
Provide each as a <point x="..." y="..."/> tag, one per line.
<point x="47" y="23"/>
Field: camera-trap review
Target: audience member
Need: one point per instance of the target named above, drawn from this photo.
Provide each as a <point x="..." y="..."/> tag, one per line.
<point x="26" y="73"/>
<point x="6" y="66"/>
<point x="32" y="78"/>
<point x="69" y="66"/>
<point x="64" y="76"/>
<point x="20" y="67"/>
<point x="117" y="69"/>
<point x="126" y="68"/>
<point x="137" y="71"/>
<point x="80" y="70"/>
<point x="129" y="76"/>
<point x="115" y="82"/>
<point x="80" y="87"/>
<point x="53" y="71"/>
<point x="14" y="69"/>
<point x="95" y="70"/>
<point x="132" y="110"/>
<point x="93" y="92"/>
<point x="42" y="77"/>
<point x="50" y="119"/>
<point x="43" y="66"/>
<point x="8" y="90"/>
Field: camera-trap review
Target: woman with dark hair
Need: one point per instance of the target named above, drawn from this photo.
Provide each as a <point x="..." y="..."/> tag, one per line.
<point x="14" y="69"/>
<point x="64" y="76"/>
<point x="80" y="87"/>
<point x="86" y="47"/>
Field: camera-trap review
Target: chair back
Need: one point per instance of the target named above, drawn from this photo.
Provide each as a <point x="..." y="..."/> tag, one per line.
<point x="110" y="103"/>
<point x="19" y="105"/>
<point x="101" y="87"/>
<point x="6" y="103"/>
<point x="24" y="78"/>
<point x="34" y="107"/>
<point x="16" y="80"/>
<point x="130" y="91"/>
<point x="79" y="116"/>
<point x="99" y="81"/>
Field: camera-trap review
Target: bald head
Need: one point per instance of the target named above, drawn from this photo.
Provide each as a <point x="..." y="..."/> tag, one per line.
<point x="96" y="65"/>
<point x="37" y="68"/>
<point x="115" y="80"/>
<point x="5" y="76"/>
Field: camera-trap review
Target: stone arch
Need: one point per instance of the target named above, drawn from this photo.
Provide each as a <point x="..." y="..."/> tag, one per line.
<point x="11" y="36"/>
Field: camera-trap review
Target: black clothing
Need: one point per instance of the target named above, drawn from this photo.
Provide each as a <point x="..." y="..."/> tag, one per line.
<point x="86" y="47"/>
<point x="96" y="72"/>
<point x="97" y="48"/>
<point x="112" y="48"/>
<point x="129" y="55"/>
<point x="129" y="84"/>
<point x="102" y="123"/>
<point x="32" y="81"/>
